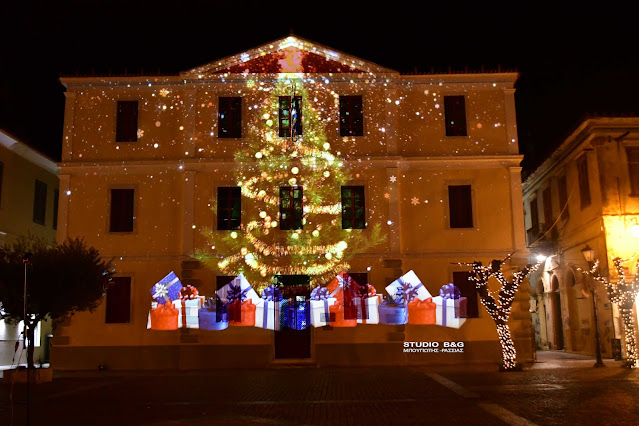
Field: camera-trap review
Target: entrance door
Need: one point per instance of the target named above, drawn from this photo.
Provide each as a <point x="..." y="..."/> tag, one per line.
<point x="291" y="343"/>
<point x="557" y="321"/>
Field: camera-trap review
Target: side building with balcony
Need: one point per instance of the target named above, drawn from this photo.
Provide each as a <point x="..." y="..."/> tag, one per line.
<point x="148" y="164"/>
<point x="582" y="204"/>
<point x="28" y="206"/>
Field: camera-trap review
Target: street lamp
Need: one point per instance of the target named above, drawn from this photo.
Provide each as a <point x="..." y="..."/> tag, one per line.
<point x="589" y="255"/>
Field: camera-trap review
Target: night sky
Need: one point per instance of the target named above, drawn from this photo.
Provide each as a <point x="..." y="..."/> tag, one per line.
<point x="571" y="62"/>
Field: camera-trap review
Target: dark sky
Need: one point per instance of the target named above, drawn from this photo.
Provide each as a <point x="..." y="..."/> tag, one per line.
<point x="572" y="61"/>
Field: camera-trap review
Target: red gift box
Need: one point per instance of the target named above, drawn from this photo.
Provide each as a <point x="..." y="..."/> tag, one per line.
<point x="242" y="314"/>
<point x="422" y="311"/>
<point x="164" y="317"/>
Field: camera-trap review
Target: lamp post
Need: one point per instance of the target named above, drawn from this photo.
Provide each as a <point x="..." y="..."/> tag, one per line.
<point x="589" y="255"/>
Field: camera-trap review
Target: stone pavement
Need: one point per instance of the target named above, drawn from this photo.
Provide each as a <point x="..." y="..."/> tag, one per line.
<point x="553" y="391"/>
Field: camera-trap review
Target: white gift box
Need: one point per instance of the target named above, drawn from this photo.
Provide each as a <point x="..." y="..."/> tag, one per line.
<point x="244" y="284"/>
<point x="273" y="313"/>
<point x="319" y="311"/>
<point x="411" y="279"/>
<point x="191" y="305"/>
<point x="449" y="320"/>
<point x="371" y="304"/>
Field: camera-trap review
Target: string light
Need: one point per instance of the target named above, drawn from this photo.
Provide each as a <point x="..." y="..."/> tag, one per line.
<point x="499" y="309"/>
<point x="623" y="294"/>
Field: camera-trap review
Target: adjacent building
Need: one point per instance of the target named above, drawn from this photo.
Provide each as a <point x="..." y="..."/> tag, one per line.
<point x="28" y="206"/>
<point x="584" y="197"/>
<point x="434" y="160"/>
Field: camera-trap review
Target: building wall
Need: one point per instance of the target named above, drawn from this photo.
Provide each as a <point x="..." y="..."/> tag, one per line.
<point x="21" y="167"/>
<point x="176" y="181"/>
<point x="604" y="226"/>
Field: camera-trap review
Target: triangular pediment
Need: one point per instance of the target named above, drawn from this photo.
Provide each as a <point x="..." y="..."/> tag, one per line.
<point x="288" y="55"/>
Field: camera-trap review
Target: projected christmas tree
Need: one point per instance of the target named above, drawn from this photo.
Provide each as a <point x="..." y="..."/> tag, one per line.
<point x="292" y="189"/>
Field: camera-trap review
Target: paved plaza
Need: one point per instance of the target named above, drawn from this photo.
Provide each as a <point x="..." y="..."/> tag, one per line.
<point x="557" y="390"/>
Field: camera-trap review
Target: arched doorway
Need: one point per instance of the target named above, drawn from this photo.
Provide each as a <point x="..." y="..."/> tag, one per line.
<point x="557" y="317"/>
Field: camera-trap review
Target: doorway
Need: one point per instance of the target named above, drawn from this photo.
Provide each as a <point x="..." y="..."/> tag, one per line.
<point x="557" y="321"/>
<point x="291" y="343"/>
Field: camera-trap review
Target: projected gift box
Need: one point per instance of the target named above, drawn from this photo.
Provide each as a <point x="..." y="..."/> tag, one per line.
<point x="241" y="300"/>
<point x="270" y="311"/>
<point x="451" y="307"/>
<point x="320" y="303"/>
<point x="367" y="304"/>
<point x="213" y="315"/>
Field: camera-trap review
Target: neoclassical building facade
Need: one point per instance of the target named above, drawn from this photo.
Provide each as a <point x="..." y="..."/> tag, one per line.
<point x="581" y="202"/>
<point x="146" y="161"/>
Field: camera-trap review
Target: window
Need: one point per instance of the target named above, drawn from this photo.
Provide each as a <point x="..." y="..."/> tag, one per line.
<point x="118" y="300"/>
<point x="127" y="122"/>
<point x="584" y="183"/>
<point x="455" y="113"/>
<point x="40" y="202"/>
<point x="1" y="175"/>
<point x="222" y="280"/>
<point x="534" y="216"/>
<point x="121" y="210"/>
<point x="230" y="118"/>
<point x="56" y="195"/>
<point x="229" y="208"/>
<point x="467" y="290"/>
<point x="633" y="169"/>
<point x="290" y="116"/>
<point x="563" y="197"/>
<point x="546" y="195"/>
<point x="351" y="116"/>
<point x="291" y="211"/>
<point x="353" y="208"/>
<point x="460" y="206"/>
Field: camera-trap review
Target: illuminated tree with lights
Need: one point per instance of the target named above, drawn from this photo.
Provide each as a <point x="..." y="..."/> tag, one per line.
<point x="623" y="294"/>
<point x="499" y="308"/>
<point x="290" y="180"/>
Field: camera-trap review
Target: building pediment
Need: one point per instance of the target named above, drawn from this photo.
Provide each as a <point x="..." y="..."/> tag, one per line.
<point x="288" y="55"/>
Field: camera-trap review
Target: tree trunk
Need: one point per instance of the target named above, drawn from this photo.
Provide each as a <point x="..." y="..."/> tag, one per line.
<point x="30" y="344"/>
<point x="629" y="336"/>
<point x="508" y="352"/>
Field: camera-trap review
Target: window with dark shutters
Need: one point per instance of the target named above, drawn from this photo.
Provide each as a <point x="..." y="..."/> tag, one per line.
<point x="291" y="210"/>
<point x="468" y="290"/>
<point x="584" y="182"/>
<point x="546" y="195"/>
<point x="229" y="208"/>
<point x="460" y="206"/>
<point x="455" y="115"/>
<point x="56" y="196"/>
<point x="534" y="216"/>
<point x="40" y="202"/>
<point x="286" y="116"/>
<point x="351" y="116"/>
<point x="633" y="169"/>
<point x="230" y="117"/>
<point x="1" y="176"/>
<point x="118" y="300"/>
<point x="127" y="122"/>
<point x="563" y="197"/>
<point x="121" y="219"/>
<point x="353" y="207"/>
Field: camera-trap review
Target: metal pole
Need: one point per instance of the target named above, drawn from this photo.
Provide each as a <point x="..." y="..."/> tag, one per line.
<point x="599" y="362"/>
<point x="27" y="344"/>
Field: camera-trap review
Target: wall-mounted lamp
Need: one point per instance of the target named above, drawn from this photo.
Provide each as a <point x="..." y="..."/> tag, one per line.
<point x="588" y="254"/>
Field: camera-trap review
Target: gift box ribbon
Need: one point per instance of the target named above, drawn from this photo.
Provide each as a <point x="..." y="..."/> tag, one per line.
<point x="364" y="293"/>
<point x="235" y="292"/>
<point x="423" y="304"/>
<point x="321" y="293"/>
<point x="409" y="291"/>
<point x="272" y="294"/>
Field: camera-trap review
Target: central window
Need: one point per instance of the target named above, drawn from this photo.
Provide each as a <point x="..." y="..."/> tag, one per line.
<point x="353" y="207"/>
<point x="291" y="209"/>
<point x="290" y="116"/>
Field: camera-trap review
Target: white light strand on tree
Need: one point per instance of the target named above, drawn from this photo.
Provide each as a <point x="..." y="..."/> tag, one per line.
<point x="499" y="310"/>
<point x="623" y="294"/>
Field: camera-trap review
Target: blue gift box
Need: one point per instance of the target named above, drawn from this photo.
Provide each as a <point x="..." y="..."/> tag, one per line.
<point x="213" y="316"/>
<point x="297" y="314"/>
<point x="393" y="313"/>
